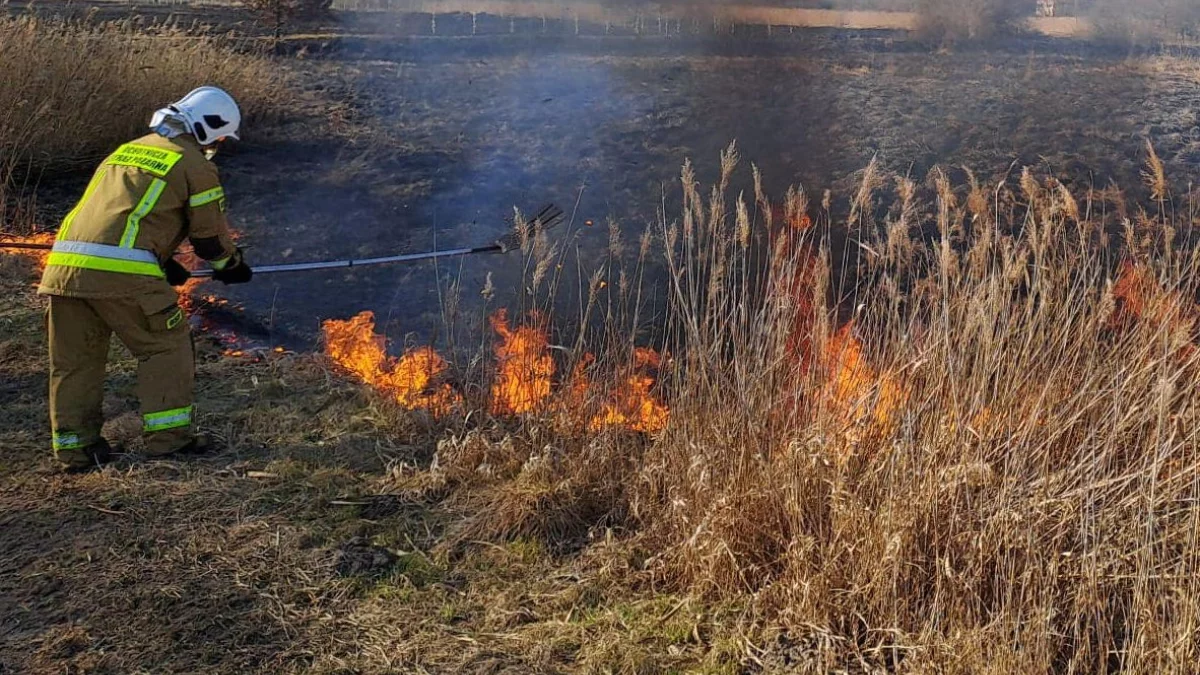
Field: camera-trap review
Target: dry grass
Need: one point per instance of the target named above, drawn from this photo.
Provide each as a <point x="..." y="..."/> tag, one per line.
<point x="1145" y="24"/>
<point x="72" y="90"/>
<point x="957" y="431"/>
<point x="292" y="551"/>
<point x="940" y="432"/>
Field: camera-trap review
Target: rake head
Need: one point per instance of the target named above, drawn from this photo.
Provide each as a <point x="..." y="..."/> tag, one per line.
<point x="548" y="217"/>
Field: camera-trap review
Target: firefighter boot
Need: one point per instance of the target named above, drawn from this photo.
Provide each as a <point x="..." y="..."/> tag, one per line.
<point x="200" y="444"/>
<point x="95" y="456"/>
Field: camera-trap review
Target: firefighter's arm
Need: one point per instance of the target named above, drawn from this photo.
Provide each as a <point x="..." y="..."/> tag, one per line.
<point x="208" y="229"/>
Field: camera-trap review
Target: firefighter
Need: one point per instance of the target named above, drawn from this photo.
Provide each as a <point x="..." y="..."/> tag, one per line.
<point x="111" y="271"/>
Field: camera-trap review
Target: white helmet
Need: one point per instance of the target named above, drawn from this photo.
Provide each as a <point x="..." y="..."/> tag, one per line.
<point x="210" y="114"/>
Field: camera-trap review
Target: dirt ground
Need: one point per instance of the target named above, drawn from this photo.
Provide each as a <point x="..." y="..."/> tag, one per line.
<point x="300" y="548"/>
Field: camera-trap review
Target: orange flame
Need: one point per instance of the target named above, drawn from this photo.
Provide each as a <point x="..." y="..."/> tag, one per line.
<point x="186" y="301"/>
<point x="855" y="387"/>
<point x="36" y="255"/>
<point x="524" y="368"/>
<point x="633" y="406"/>
<point x="524" y="376"/>
<point x="1140" y="297"/>
<point x="410" y="380"/>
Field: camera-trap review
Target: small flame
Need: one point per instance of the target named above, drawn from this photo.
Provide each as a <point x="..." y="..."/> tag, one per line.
<point x="187" y="292"/>
<point x="524" y="367"/>
<point x="38" y="256"/>
<point x="855" y="387"/>
<point x="633" y="406"/>
<point x="1140" y="297"/>
<point x="411" y="380"/>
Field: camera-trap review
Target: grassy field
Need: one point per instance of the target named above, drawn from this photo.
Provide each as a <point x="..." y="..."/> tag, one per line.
<point x="927" y="422"/>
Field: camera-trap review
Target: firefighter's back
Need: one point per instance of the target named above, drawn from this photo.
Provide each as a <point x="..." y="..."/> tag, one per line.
<point x="131" y="218"/>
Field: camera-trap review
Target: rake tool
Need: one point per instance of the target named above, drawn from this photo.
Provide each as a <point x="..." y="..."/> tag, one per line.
<point x="548" y="217"/>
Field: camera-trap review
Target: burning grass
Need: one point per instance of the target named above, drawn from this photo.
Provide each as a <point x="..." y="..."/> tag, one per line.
<point x="979" y="452"/>
<point x="523" y="380"/>
<point x="524" y="367"/>
<point x="412" y="380"/>
<point x="952" y="431"/>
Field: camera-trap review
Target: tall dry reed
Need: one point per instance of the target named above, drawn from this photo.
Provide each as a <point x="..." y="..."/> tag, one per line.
<point x="73" y="90"/>
<point x="957" y="432"/>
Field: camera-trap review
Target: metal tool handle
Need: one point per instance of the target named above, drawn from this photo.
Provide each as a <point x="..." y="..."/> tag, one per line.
<point x="26" y="246"/>
<point x="362" y="262"/>
<point x="548" y="217"/>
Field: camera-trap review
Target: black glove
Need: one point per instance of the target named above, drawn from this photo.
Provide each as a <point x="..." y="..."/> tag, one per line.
<point x="177" y="275"/>
<point x="236" y="271"/>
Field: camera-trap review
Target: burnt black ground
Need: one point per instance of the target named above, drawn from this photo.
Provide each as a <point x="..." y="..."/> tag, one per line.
<point x="429" y="142"/>
<point x="475" y="126"/>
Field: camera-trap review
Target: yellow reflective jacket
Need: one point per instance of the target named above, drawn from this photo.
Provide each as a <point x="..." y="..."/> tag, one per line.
<point x="141" y="203"/>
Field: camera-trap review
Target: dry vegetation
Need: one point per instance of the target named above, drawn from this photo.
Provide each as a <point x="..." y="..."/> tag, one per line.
<point x="949" y="428"/>
<point x="988" y="463"/>
<point x="73" y="90"/>
<point x="1147" y="23"/>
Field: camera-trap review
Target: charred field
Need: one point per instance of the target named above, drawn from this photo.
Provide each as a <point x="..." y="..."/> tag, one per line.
<point x="476" y="126"/>
<point x="410" y="141"/>
<point x="935" y="412"/>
